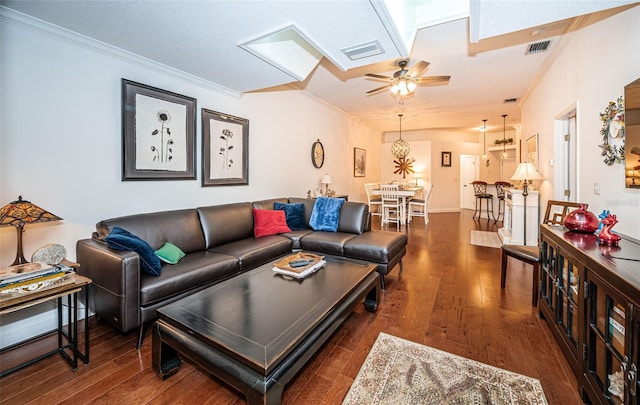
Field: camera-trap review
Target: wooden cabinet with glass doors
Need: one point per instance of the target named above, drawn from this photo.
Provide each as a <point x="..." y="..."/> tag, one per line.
<point x="560" y="298"/>
<point x="611" y="357"/>
<point x="590" y="297"/>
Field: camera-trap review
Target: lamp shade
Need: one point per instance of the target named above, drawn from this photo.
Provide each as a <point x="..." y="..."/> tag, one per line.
<point x="20" y="212"/>
<point x="526" y="171"/>
<point x="326" y="179"/>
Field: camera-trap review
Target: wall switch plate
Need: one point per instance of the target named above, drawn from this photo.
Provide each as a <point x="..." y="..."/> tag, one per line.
<point x="551" y="162"/>
<point x="596" y="188"/>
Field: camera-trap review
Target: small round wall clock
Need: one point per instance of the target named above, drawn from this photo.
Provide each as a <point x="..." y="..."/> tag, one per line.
<point x="317" y="154"/>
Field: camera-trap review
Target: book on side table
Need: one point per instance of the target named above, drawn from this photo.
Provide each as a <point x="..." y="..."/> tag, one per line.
<point x="28" y="277"/>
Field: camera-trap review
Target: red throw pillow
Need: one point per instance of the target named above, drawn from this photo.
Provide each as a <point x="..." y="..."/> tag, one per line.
<point x="269" y="222"/>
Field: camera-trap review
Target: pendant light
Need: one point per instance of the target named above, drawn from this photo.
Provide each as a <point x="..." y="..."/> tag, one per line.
<point x="484" y="139"/>
<point x="400" y="148"/>
<point x="484" y="142"/>
<point x="504" y="138"/>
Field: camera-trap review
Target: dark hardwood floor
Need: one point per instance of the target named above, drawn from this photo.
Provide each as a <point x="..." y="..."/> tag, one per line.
<point x="448" y="297"/>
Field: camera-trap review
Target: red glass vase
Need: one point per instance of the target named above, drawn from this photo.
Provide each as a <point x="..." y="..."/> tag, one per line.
<point x="581" y="220"/>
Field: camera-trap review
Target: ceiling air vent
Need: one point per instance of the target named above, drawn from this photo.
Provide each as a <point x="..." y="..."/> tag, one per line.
<point x="538" y="47"/>
<point x="510" y="100"/>
<point x="363" y="50"/>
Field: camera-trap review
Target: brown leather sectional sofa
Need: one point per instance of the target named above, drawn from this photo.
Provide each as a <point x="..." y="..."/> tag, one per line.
<point x="219" y="243"/>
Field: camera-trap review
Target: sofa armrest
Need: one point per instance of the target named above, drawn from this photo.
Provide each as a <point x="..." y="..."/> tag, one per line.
<point x="115" y="277"/>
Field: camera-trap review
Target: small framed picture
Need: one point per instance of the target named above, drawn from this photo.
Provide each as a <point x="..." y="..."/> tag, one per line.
<point x="225" y="149"/>
<point x="158" y="134"/>
<point x="359" y="162"/>
<point x="446" y="159"/>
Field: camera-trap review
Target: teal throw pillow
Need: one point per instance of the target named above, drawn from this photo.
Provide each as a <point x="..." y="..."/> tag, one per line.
<point x="170" y="253"/>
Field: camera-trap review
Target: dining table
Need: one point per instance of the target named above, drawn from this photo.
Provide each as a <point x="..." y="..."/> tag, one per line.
<point x="404" y="193"/>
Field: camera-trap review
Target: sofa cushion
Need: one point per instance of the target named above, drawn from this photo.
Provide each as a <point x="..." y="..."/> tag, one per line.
<point x="121" y="239"/>
<point x="170" y="253"/>
<point x="326" y="214"/>
<point x="226" y="223"/>
<point x="181" y="227"/>
<point x="294" y="214"/>
<point x="253" y="252"/>
<point x="326" y="242"/>
<point x="354" y="217"/>
<point x="268" y="204"/>
<point x="376" y="246"/>
<point x="195" y="270"/>
<point x="269" y="222"/>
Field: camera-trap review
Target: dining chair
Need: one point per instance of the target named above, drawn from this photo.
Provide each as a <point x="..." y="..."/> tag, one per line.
<point x="373" y="200"/>
<point x="480" y="191"/>
<point x="500" y="186"/>
<point x="418" y="206"/>
<point x="554" y="215"/>
<point x="392" y="209"/>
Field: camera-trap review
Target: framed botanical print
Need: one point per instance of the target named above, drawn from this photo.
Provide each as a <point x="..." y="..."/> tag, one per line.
<point x="225" y="149"/>
<point x="446" y="159"/>
<point x="158" y="134"/>
<point x="359" y="162"/>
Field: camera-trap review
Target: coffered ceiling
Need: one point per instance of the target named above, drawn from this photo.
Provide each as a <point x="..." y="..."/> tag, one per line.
<point x="273" y="45"/>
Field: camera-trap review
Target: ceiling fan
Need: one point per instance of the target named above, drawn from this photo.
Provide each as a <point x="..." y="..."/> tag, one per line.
<point x="404" y="82"/>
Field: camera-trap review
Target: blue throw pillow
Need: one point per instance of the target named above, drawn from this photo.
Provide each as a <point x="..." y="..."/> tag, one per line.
<point x="326" y="214"/>
<point x="294" y="213"/>
<point x="121" y="239"/>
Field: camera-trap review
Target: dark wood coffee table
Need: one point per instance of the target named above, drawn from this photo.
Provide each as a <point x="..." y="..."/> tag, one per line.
<point x="257" y="330"/>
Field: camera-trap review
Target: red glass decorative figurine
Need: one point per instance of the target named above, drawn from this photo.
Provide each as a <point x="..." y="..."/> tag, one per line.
<point x="608" y="237"/>
<point x="581" y="220"/>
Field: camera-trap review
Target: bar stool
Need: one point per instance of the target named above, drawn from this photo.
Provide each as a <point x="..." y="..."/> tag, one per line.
<point x="480" y="190"/>
<point x="500" y="186"/>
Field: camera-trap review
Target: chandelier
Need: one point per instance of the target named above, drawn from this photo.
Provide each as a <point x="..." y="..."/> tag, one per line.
<point x="400" y="148"/>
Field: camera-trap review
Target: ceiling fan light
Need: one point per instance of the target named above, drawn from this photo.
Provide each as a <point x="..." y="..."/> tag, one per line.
<point x="402" y="85"/>
<point x="411" y="86"/>
<point x="395" y="89"/>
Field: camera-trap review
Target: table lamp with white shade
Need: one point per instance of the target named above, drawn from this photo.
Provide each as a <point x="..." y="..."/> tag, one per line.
<point x="525" y="172"/>
<point x="326" y="180"/>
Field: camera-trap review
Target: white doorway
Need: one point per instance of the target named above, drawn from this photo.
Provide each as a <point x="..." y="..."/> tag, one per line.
<point x="565" y="176"/>
<point x="469" y="172"/>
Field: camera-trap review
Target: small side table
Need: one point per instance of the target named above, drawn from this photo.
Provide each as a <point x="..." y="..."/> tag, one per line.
<point x="69" y="350"/>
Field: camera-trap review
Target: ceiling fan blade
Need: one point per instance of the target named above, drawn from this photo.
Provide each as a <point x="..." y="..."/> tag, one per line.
<point x="378" y="76"/>
<point x="432" y="80"/>
<point x="379" y="89"/>
<point x="418" y="69"/>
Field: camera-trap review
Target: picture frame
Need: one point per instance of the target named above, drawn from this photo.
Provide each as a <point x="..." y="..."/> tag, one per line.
<point x="359" y="162"/>
<point x="158" y="134"/>
<point x="225" y="149"/>
<point x="446" y="159"/>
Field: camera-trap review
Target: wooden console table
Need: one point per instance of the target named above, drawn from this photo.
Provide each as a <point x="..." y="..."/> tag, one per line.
<point x="70" y="350"/>
<point x="590" y="297"/>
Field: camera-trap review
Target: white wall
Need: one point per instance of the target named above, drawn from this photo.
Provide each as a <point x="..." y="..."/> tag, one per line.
<point x="592" y="69"/>
<point x="60" y="144"/>
<point x="61" y="139"/>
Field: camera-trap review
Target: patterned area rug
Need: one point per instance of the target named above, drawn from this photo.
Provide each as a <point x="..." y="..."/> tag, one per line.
<point x="484" y="238"/>
<point x="398" y="371"/>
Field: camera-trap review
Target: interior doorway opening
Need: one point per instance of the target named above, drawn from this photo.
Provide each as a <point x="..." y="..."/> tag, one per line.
<point x="566" y="139"/>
